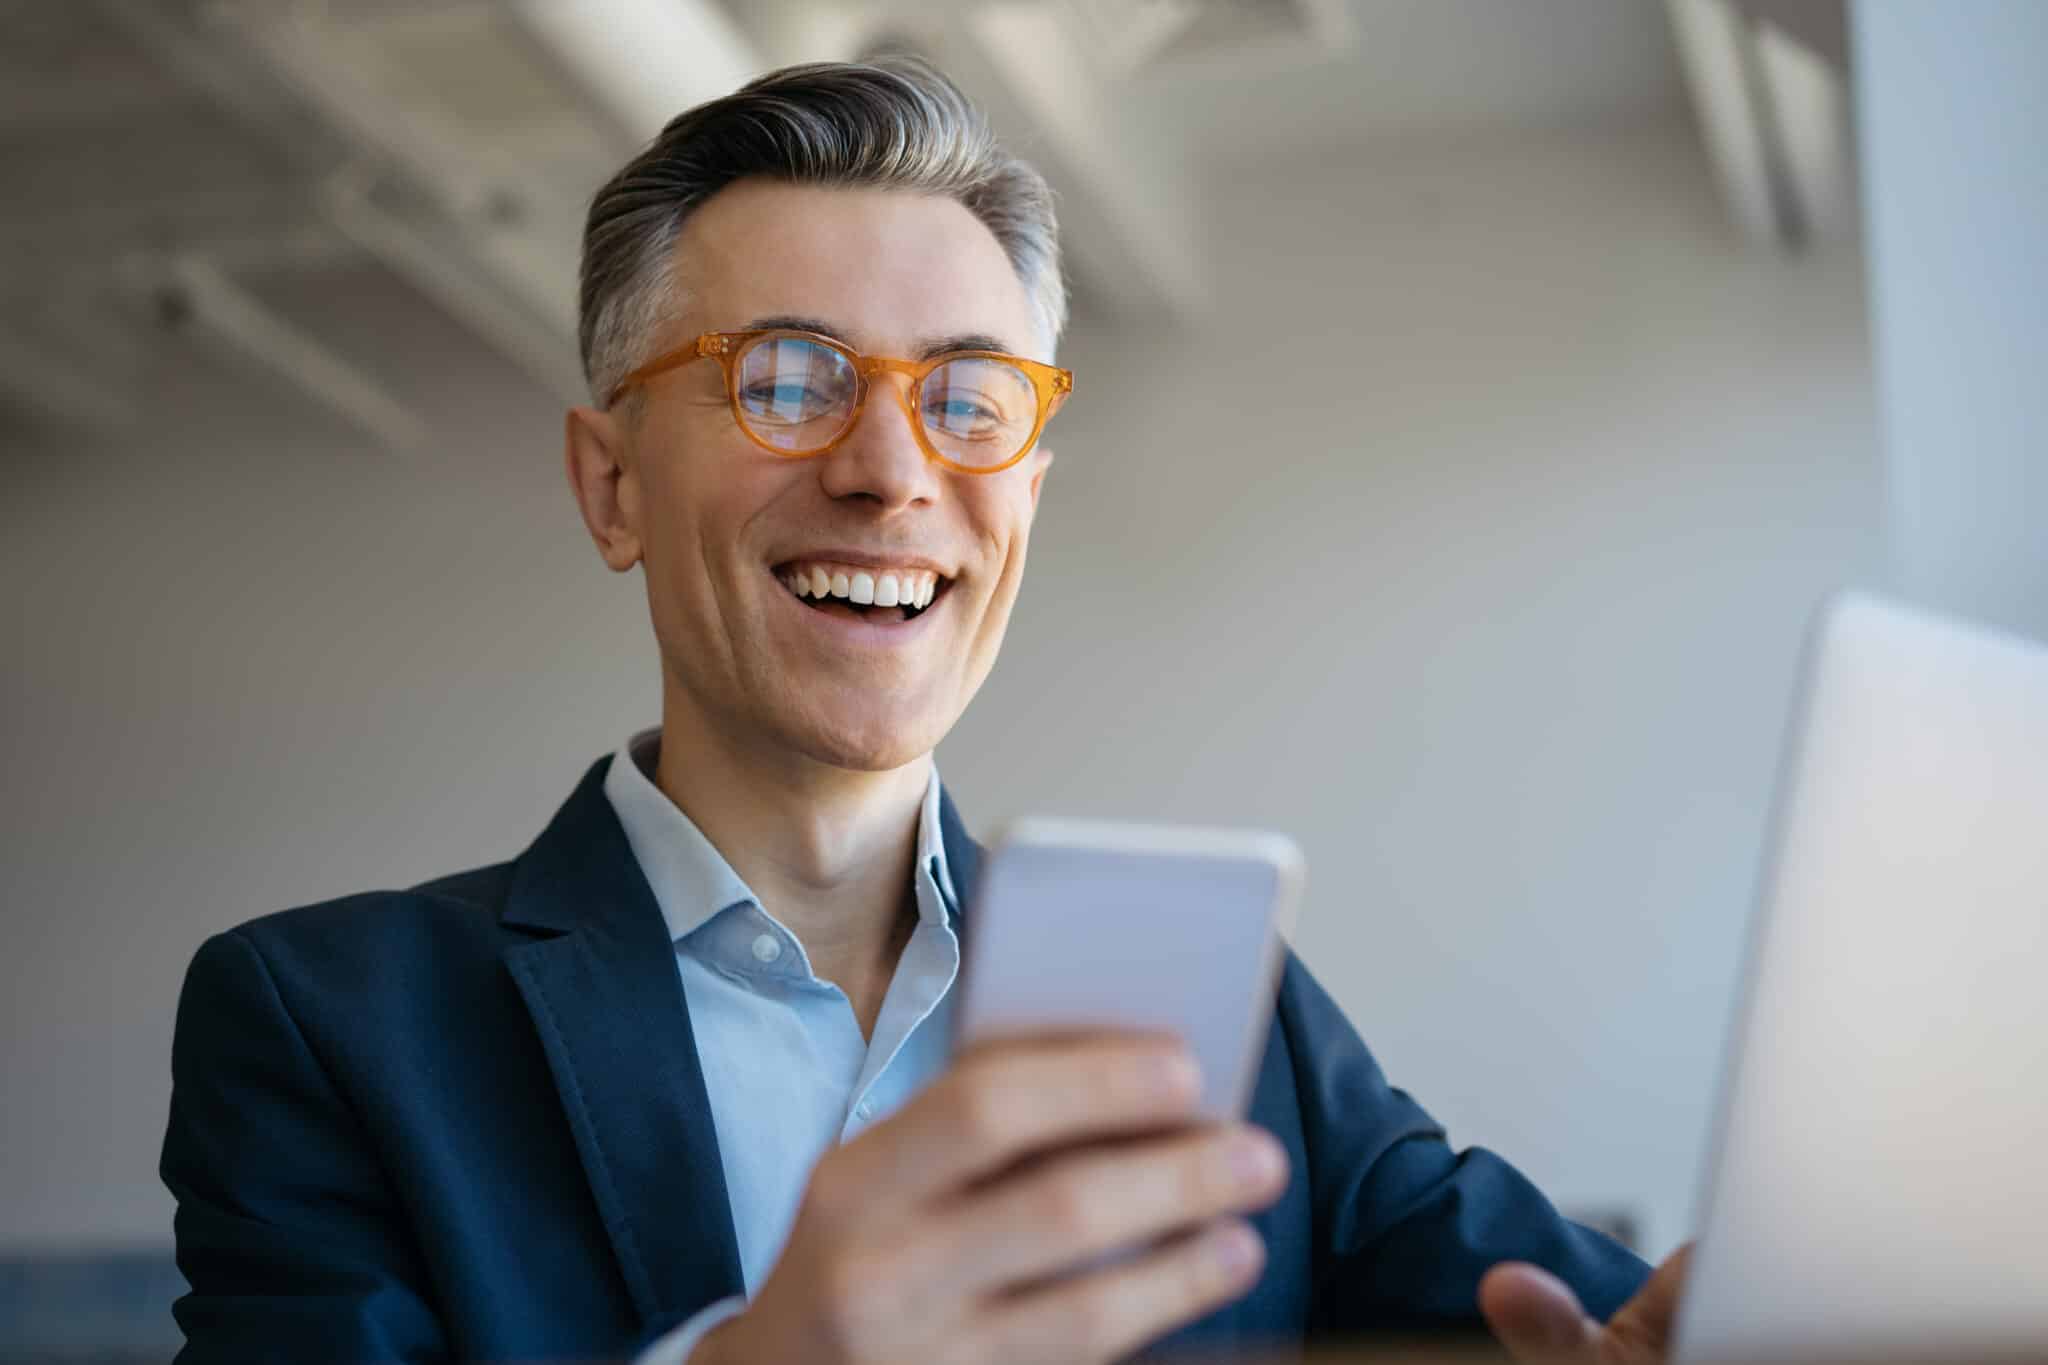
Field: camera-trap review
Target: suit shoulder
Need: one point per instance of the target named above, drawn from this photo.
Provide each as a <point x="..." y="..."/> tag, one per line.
<point x="482" y="887"/>
<point x="461" y="904"/>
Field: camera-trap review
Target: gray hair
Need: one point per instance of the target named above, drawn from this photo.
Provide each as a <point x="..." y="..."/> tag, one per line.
<point x="892" y="123"/>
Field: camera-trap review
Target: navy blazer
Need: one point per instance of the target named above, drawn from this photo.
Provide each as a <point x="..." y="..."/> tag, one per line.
<point x="467" y="1121"/>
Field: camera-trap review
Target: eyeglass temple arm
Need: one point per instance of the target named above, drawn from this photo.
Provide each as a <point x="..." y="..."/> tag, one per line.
<point x="710" y="344"/>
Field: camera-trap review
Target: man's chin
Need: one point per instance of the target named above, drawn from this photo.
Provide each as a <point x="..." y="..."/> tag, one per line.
<point x="869" y="743"/>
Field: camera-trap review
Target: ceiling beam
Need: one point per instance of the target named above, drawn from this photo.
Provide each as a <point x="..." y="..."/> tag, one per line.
<point x="1821" y="26"/>
<point x="1774" y="115"/>
<point x="1812" y="119"/>
<point x="449" y="179"/>
<point x="1047" y="77"/>
<point x="261" y="337"/>
<point x="644" y="61"/>
<point x="1715" y="48"/>
<point x="1126" y="217"/>
<point x="440" y="269"/>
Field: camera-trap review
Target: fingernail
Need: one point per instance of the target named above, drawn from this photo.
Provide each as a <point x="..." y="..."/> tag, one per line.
<point x="1176" y="1078"/>
<point x="1238" y="1252"/>
<point x="1255" y="1160"/>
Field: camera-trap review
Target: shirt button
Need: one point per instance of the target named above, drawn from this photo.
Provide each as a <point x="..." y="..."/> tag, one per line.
<point x="767" y="948"/>
<point x="865" y="1109"/>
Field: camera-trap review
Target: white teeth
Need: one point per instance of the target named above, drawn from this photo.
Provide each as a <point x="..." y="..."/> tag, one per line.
<point x="915" y="589"/>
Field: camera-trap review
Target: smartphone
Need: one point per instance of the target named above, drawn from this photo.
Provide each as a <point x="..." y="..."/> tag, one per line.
<point x="1085" y="925"/>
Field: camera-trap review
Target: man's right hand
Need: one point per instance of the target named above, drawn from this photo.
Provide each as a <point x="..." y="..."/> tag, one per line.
<point x="981" y="1222"/>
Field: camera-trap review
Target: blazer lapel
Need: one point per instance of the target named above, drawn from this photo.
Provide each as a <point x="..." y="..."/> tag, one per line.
<point x="599" y="978"/>
<point x="963" y="855"/>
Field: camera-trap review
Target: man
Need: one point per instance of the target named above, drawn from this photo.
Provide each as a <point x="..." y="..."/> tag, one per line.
<point x="677" y="1079"/>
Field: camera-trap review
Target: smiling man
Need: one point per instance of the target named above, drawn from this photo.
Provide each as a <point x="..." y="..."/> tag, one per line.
<point x="677" y="1081"/>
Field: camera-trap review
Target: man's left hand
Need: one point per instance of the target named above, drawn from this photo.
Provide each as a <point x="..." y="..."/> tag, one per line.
<point x="1538" y="1318"/>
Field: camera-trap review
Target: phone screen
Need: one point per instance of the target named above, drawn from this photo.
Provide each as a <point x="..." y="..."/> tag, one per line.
<point x="1085" y="926"/>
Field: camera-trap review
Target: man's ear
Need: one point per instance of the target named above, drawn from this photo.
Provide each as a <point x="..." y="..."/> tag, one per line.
<point x="594" y="455"/>
<point x="1043" y="457"/>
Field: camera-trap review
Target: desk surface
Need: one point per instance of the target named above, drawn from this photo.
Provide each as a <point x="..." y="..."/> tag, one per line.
<point x="1412" y="1354"/>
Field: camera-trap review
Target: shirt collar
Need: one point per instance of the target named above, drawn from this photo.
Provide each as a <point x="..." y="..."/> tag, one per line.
<point x="690" y="878"/>
<point x="931" y="845"/>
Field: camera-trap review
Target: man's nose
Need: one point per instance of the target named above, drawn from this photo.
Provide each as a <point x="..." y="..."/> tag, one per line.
<point x="880" y="457"/>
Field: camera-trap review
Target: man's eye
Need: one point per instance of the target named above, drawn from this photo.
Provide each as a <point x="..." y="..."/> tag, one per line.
<point x="962" y="414"/>
<point x="784" y="399"/>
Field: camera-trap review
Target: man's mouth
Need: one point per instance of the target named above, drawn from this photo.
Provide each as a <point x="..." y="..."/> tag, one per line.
<point x="872" y="594"/>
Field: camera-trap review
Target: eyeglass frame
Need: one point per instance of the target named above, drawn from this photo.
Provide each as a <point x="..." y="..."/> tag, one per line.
<point x="1051" y="384"/>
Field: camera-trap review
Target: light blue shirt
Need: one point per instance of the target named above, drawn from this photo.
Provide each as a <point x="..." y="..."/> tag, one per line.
<point x="786" y="1070"/>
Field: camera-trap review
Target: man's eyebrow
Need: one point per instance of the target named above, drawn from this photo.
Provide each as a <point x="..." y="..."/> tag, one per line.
<point x="795" y="322"/>
<point x="931" y="346"/>
<point x="965" y="341"/>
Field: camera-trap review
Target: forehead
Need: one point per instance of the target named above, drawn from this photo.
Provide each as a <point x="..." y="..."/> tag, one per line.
<point x="888" y="268"/>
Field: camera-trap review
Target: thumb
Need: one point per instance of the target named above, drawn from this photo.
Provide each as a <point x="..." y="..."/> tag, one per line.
<point x="1535" y="1315"/>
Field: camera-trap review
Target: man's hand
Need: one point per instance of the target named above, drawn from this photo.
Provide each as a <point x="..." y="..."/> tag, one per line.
<point x="983" y="1220"/>
<point x="1539" y="1319"/>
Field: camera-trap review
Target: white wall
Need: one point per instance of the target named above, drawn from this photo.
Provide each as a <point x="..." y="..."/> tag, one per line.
<point x="248" y="677"/>
<point x="1470" y="544"/>
<point x="1954" y="105"/>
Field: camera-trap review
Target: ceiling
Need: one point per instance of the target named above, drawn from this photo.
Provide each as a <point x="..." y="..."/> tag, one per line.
<point x="1441" y="68"/>
<point x="331" y="203"/>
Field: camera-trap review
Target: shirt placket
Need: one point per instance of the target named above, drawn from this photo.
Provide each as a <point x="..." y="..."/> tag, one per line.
<point x="923" y="978"/>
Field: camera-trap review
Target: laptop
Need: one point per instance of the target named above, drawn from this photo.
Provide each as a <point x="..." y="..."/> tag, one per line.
<point x="1880" y="1180"/>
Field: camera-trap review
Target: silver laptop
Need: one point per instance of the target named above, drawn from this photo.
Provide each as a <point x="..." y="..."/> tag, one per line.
<point x="1881" y="1177"/>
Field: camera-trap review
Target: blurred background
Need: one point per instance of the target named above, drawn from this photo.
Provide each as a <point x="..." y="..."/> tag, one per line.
<point x="1475" y="398"/>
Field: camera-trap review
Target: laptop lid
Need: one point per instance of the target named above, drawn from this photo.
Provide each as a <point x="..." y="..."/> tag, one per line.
<point x="1881" y="1178"/>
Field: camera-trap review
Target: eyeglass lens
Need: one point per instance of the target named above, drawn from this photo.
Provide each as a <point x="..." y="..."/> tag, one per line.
<point x="797" y="395"/>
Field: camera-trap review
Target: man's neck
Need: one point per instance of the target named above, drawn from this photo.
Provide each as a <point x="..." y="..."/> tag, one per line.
<point x="830" y="852"/>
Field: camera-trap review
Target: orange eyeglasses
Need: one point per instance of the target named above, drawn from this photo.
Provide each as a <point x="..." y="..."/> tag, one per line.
<point x="797" y="394"/>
